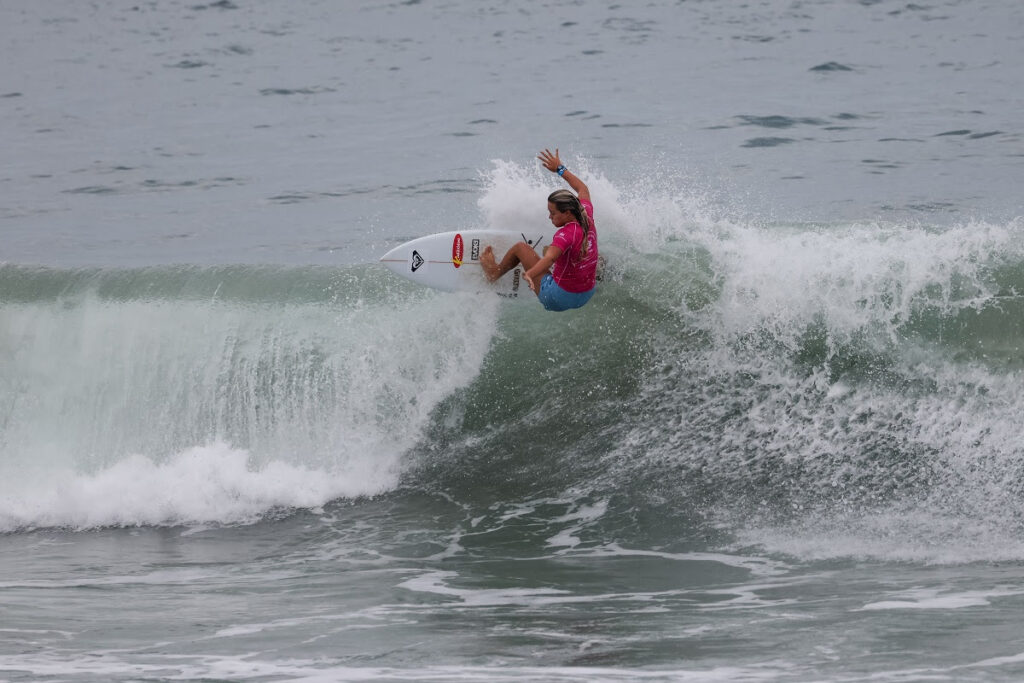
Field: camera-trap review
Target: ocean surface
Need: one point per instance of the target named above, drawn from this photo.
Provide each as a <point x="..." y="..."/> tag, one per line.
<point x="782" y="442"/>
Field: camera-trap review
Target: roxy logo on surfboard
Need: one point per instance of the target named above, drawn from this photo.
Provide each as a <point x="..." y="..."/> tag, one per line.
<point x="458" y="249"/>
<point x="417" y="260"/>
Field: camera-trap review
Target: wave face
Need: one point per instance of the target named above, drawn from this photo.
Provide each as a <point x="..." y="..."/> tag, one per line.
<point x="821" y="390"/>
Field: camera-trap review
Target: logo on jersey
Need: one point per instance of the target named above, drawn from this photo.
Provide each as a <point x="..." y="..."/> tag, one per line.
<point x="474" y="249"/>
<point x="458" y="248"/>
<point x="417" y="260"/>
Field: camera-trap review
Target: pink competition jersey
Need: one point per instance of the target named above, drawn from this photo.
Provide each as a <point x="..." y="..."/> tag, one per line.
<point x="570" y="272"/>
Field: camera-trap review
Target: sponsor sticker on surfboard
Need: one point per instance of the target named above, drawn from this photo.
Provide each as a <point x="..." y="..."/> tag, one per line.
<point x="458" y="248"/>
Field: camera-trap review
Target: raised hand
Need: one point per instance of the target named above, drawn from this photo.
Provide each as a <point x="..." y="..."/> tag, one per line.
<point x="550" y="161"/>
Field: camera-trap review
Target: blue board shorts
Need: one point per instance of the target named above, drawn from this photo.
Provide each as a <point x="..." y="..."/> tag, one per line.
<point x="554" y="298"/>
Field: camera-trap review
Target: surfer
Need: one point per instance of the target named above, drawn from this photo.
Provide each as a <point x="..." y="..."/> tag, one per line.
<point x="564" y="277"/>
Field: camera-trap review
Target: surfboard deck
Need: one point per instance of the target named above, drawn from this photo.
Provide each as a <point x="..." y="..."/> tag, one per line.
<point x="450" y="261"/>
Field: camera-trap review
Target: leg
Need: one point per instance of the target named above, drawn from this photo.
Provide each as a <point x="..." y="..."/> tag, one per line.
<point x="520" y="253"/>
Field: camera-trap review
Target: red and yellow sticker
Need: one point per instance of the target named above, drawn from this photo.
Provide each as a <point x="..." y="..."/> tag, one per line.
<point x="458" y="249"/>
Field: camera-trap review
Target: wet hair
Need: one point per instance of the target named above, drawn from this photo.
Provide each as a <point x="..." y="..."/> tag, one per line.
<point x="564" y="200"/>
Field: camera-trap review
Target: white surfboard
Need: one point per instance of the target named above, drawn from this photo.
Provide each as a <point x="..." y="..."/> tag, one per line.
<point x="450" y="261"/>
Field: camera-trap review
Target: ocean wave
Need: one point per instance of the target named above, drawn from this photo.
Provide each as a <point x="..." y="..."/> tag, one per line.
<point x="791" y="377"/>
<point x="758" y="374"/>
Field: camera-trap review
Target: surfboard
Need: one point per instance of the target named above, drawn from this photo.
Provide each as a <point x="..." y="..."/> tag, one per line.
<point x="450" y="261"/>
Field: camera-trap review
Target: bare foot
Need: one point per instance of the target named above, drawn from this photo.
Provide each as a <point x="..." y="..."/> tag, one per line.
<point x="489" y="265"/>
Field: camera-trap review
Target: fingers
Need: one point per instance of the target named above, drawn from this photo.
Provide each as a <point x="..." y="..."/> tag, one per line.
<point x="550" y="161"/>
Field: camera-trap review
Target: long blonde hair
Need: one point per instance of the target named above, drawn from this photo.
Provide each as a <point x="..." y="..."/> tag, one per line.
<point x="564" y="200"/>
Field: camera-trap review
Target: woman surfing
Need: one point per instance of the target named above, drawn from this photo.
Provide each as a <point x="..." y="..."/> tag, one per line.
<point x="565" y="276"/>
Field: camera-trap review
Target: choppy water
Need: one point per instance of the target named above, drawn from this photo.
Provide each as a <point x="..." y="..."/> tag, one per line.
<point x="781" y="443"/>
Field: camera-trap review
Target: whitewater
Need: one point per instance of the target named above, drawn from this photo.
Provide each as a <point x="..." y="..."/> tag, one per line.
<point x="781" y="443"/>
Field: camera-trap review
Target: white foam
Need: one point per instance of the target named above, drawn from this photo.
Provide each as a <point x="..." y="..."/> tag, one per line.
<point x="854" y="278"/>
<point x="997" y="661"/>
<point x="213" y="483"/>
<point x="926" y="534"/>
<point x="434" y="582"/>
<point x="580" y="516"/>
<point x="120" y="411"/>
<point x="250" y="667"/>
<point x="369" y="618"/>
<point x="758" y="566"/>
<point x="927" y="598"/>
<point x="741" y="597"/>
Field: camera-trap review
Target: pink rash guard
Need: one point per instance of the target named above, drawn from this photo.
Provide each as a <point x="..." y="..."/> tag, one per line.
<point x="570" y="272"/>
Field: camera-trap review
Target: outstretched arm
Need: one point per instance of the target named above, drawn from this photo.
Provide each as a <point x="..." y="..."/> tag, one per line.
<point x="553" y="163"/>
